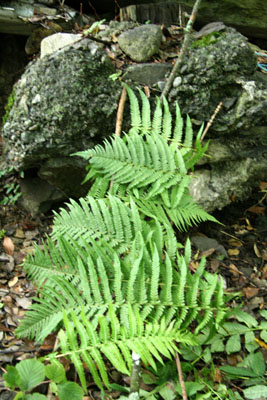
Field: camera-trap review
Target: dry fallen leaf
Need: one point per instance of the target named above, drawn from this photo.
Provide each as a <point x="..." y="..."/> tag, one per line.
<point x="13" y="281"/>
<point x="261" y="343"/>
<point x="264" y="272"/>
<point x="235" y="242"/>
<point x="257" y="210"/>
<point x="217" y="376"/>
<point x="233" y="252"/>
<point x="256" y="251"/>
<point x="19" y="233"/>
<point x="250" y="292"/>
<point x="263" y="185"/>
<point x="24" y="302"/>
<point x="235" y="271"/>
<point x="8" y="245"/>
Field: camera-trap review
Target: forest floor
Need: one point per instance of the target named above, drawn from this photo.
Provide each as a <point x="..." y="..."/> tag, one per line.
<point x="237" y="250"/>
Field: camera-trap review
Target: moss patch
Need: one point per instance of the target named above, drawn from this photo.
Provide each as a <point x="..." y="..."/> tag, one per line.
<point x="9" y="106"/>
<point x="211" y="38"/>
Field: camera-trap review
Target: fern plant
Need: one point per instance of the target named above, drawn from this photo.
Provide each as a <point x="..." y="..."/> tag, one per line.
<point x="111" y="277"/>
<point x="151" y="163"/>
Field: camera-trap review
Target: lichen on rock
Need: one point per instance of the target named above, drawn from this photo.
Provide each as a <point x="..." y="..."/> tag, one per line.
<point x="64" y="103"/>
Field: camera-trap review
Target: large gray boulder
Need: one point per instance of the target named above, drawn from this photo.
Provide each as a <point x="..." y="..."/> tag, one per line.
<point x="224" y="70"/>
<point x="64" y="102"/>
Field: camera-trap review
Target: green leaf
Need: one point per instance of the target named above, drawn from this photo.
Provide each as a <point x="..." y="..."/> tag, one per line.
<point x="263" y="336"/>
<point x="245" y="317"/>
<point x="35" y="396"/>
<point x="233" y="344"/>
<point x="190" y="387"/>
<point x="263" y="313"/>
<point x="255" y="392"/>
<point x="32" y="373"/>
<point x="257" y="363"/>
<point x="70" y="391"/>
<point x="12" y="377"/>
<point x="55" y="371"/>
<point x="167" y="392"/>
<point x="238" y="371"/>
<point x="250" y="342"/>
<point x="20" y="396"/>
<point x="217" y="344"/>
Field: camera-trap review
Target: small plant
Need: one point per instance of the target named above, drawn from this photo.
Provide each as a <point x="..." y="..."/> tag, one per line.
<point x="206" y="40"/>
<point x="10" y="189"/>
<point x="112" y="277"/>
<point x="29" y="374"/>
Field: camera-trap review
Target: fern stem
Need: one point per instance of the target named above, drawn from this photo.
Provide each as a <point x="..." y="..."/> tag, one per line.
<point x="180" y="373"/>
<point x="135" y="377"/>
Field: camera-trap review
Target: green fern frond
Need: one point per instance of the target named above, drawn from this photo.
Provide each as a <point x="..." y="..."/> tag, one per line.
<point x="167" y="121"/>
<point x="178" y="128"/>
<point x="155" y="285"/>
<point x="143" y="162"/>
<point x="136" y="121"/>
<point x="157" y="118"/>
<point x="146" y="114"/>
<point x="184" y="216"/>
<point x="150" y="340"/>
<point x="109" y="219"/>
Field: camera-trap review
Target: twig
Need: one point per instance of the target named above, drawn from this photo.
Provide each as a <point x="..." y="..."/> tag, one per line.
<point x="219" y="106"/>
<point x="93" y="8"/>
<point x="135" y="377"/>
<point x="185" y="45"/>
<point x="180" y="373"/>
<point x="49" y="392"/>
<point x="119" y="118"/>
<point x="96" y="39"/>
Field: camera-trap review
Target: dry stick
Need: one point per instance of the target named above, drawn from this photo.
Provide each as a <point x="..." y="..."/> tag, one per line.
<point x="119" y="118"/>
<point x="135" y="377"/>
<point x="180" y="373"/>
<point x="180" y="59"/>
<point x="217" y="109"/>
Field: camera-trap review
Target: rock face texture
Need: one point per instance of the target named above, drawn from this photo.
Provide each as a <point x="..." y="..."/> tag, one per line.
<point x="224" y="70"/>
<point x="141" y="43"/>
<point x="64" y="102"/>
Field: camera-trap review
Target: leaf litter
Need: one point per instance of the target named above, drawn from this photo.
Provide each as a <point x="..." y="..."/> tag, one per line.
<point x="237" y="252"/>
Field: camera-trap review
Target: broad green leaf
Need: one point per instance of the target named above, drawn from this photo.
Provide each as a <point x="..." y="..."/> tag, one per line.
<point x="263" y="336"/>
<point x="263" y="313"/>
<point x="55" y="372"/>
<point x="12" y="377"/>
<point x="217" y="344"/>
<point x="167" y="392"/>
<point x="257" y="363"/>
<point x="190" y="387"/>
<point x="70" y="391"/>
<point x="35" y="396"/>
<point x="242" y="316"/>
<point x="32" y="373"/>
<point x="238" y="371"/>
<point x="256" y="392"/>
<point x="231" y="328"/>
<point x="250" y="342"/>
<point x="20" y="396"/>
<point x="233" y="344"/>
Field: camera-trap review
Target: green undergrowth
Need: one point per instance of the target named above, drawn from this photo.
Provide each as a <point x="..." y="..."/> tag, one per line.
<point x="112" y="278"/>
